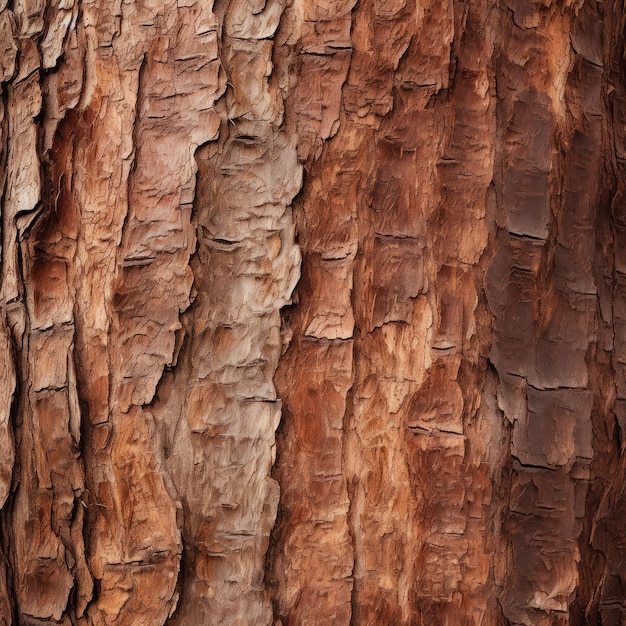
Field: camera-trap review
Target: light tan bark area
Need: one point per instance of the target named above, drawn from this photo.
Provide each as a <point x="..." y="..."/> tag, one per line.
<point x="312" y="312"/>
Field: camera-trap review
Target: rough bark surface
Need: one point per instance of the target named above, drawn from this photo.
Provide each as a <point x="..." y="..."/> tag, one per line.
<point x="313" y="312"/>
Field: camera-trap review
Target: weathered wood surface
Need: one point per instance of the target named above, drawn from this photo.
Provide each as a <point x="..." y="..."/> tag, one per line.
<point x="313" y="312"/>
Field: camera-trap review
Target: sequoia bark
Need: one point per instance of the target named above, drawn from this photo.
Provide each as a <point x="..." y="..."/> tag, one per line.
<point x="313" y="312"/>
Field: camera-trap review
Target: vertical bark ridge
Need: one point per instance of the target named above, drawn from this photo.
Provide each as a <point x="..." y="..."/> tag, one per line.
<point x="393" y="317"/>
<point x="220" y="446"/>
<point x="604" y="601"/>
<point x="453" y="413"/>
<point x="543" y="293"/>
<point x="8" y="401"/>
<point x="310" y="563"/>
<point x="46" y="552"/>
<point x="313" y="561"/>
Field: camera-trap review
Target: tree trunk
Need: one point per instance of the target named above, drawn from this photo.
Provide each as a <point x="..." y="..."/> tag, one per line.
<point x="313" y="312"/>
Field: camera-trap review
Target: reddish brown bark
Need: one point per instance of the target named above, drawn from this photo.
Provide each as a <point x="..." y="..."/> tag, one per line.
<point x="312" y="312"/>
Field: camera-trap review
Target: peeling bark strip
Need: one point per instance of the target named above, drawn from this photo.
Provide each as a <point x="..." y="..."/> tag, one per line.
<point x="312" y="312"/>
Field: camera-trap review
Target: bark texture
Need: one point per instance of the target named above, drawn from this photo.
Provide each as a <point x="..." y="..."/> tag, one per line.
<point x="313" y="312"/>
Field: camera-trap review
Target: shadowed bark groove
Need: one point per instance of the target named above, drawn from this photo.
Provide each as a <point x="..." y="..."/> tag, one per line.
<point x="312" y="312"/>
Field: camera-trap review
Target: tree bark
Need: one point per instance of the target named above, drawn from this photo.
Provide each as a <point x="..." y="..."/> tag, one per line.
<point x="313" y="312"/>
